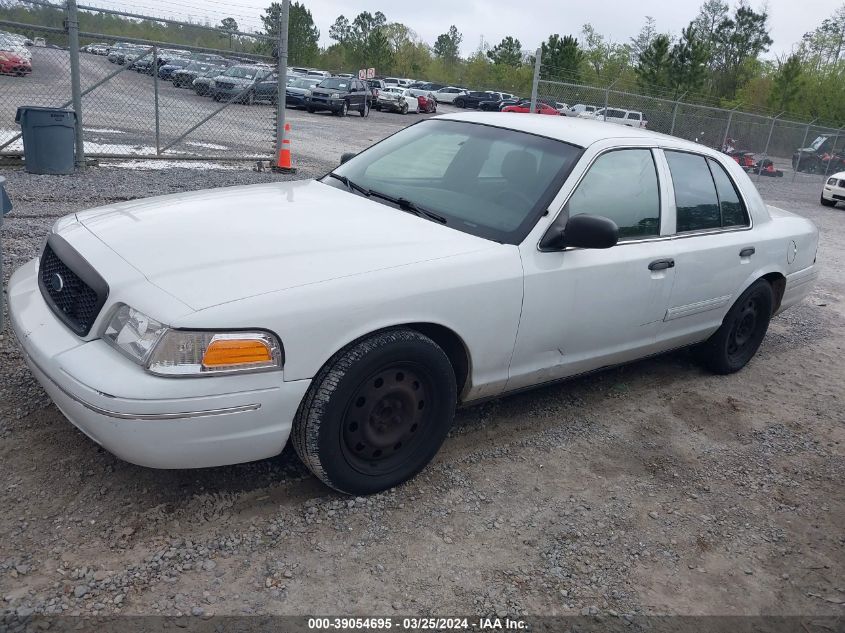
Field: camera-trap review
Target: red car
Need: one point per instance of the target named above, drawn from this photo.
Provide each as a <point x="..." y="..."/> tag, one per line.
<point x="427" y="102"/>
<point x="525" y="108"/>
<point x="11" y="64"/>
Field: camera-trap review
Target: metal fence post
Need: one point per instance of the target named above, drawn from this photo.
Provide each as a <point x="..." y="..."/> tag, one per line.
<point x="728" y="126"/>
<point x="282" y="72"/>
<point x="768" y="140"/>
<point x="535" y="83"/>
<point x="675" y="113"/>
<point x="72" y="26"/>
<point x="154" y="67"/>
<point x="797" y="167"/>
<point x="607" y="96"/>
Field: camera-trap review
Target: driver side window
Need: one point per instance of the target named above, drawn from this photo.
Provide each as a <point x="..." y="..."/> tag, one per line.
<point x="621" y="185"/>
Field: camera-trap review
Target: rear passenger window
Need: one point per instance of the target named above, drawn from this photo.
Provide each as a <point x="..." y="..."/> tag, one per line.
<point x="733" y="211"/>
<point x="695" y="194"/>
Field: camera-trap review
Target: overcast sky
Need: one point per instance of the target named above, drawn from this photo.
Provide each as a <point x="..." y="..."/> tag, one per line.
<point x="530" y="21"/>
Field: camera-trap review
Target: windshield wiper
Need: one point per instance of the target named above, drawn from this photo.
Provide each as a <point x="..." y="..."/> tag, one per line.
<point x="350" y="185"/>
<point x="402" y="203"/>
<point x="410" y="207"/>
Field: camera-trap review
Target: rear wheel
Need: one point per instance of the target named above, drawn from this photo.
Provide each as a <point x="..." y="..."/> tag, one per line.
<point x="310" y="110"/>
<point x="742" y="331"/>
<point x="827" y="203"/>
<point x="460" y="103"/>
<point x="377" y="412"/>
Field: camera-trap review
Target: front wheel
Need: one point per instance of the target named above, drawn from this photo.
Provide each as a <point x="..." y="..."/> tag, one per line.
<point x="365" y="109"/>
<point x="344" y="109"/>
<point x="404" y="109"/>
<point x="377" y="412"/>
<point x="459" y="103"/>
<point x="742" y="331"/>
<point x="827" y="203"/>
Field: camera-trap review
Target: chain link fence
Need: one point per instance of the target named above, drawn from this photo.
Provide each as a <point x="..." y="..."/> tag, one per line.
<point x="148" y="99"/>
<point x="765" y="145"/>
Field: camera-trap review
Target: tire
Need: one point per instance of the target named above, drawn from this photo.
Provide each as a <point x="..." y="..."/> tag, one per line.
<point x="249" y="98"/>
<point x="827" y="203"/>
<point x="391" y="371"/>
<point x="404" y="109"/>
<point x="344" y="109"/>
<point x="310" y="110"/>
<point x="365" y="109"/>
<point x="742" y="330"/>
<point x="459" y="103"/>
<point x="216" y="97"/>
<point x="377" y="107"/>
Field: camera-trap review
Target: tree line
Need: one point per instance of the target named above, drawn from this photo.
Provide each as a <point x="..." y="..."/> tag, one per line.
<point x="716" y="59"/>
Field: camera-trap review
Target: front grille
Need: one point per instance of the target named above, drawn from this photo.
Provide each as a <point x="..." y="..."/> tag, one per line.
<point x="224" y="85"/>
<point x="75" y="302"/>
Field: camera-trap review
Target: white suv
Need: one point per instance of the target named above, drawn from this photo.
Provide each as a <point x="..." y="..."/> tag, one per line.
<point x="631" y="118"/>
<point x="448" y="94"/>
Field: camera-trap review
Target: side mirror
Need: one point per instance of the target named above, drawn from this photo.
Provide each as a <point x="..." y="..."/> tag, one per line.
<point x="582" y="231"/>
<point x="590" y="231"/>
<point x="346" y="156"/>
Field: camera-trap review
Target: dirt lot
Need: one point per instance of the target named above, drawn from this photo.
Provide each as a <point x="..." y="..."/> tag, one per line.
<point x="653" y="488"/>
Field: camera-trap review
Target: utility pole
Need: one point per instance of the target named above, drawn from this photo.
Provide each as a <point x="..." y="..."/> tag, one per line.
<point x="536" y="81"/>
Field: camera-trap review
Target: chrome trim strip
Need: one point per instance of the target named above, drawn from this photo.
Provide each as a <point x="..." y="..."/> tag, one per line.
<point x="139" y="416"/>
<point x="696" y="308"/>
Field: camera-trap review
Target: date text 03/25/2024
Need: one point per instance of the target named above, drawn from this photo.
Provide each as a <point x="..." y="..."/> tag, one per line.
<point x="416" y="624"/>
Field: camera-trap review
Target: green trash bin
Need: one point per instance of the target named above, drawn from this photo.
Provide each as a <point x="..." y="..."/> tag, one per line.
<point x="49" y="139"/>
<point x="5" y="207"/>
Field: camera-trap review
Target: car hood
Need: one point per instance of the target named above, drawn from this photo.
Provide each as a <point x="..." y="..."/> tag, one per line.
<point x="326" y="91"/>
<point x="220" y="245"/>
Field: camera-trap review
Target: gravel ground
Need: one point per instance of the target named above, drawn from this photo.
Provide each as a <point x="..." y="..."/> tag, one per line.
<point x="648" y="489"/>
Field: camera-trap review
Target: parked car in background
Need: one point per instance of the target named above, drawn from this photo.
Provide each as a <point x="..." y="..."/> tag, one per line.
<point x="398" y="99"/>
<point x="582" y="110"/>
<point x="426" y="100"/>
<point x="375" y="85"/>
<point x="267" y="89"/>
<point x="823" y="155"/>
<point x="562" y="108"/>
<point x="166" y="72"/>
<point x="298" y="70"/>
<point x="184" y="77"/>
<point x="298" y="90"/>
<point x="209" y="58"/>
<point x="14" y="64"/>
<point x="132" y="55"/>
<point x="631" y="118"/>
<point x="237" y="83"/>
<point x="428" y="85"/>
<point x="352" y="314"/>
<point x="474" y="98"/>
<point x="320" y="74"/>
<point x="39" y="41"/>
<point x="833" y="190"/>
<point x="345" y="75"/>
<point x="448" y="94"/>
<point x="339" y="96"/>
<point x="204" y="84"/>
<point x="524" y="107"/>
<point x="499" y="100"/>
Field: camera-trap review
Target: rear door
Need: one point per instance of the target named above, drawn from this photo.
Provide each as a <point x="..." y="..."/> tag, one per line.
<point x="714" y="246"/>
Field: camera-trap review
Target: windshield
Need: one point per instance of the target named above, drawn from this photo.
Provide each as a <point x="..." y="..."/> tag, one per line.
<point x="336" y="83"/>
<point x="487" y="181"/>
<point x="201" y="68"/>
<point x="242" y="72"/>
<point x="304" y="83"/>
<point x="816" y="145"/>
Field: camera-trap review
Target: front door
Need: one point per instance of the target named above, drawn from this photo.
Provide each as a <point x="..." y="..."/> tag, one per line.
<point x="584" y="309"/>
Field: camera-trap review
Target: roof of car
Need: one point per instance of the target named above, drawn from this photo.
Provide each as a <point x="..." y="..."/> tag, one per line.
<point x="583" y="132"/>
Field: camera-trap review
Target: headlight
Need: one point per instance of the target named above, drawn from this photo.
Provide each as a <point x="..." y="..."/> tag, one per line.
<point x="335" y="95"/>
<point x="307" y="93"/>
<point x="168" y="352"/>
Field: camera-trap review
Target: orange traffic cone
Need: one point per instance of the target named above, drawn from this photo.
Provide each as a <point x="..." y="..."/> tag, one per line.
<point x="284" y="163"/>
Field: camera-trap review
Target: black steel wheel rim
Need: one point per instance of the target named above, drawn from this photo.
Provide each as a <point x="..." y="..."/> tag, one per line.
<point x="387" y="418"/>
<point x="744" y="328"/>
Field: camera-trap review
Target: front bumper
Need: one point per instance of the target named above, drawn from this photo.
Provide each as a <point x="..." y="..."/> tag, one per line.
<point x="145" y="419"/>
<point x="324" y="103"/>
<point x="833" y="192"/>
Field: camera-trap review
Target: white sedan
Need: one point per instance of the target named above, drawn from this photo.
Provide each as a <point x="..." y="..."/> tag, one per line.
<point x="834" y="190"/>
<point x="462" y="258"/>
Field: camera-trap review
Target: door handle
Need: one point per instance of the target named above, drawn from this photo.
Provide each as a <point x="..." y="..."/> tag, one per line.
<point x="661" y="264"/>
<point x="747" y="252"/>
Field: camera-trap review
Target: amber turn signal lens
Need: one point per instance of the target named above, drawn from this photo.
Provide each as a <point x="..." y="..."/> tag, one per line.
<point x="227" y="352"/>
